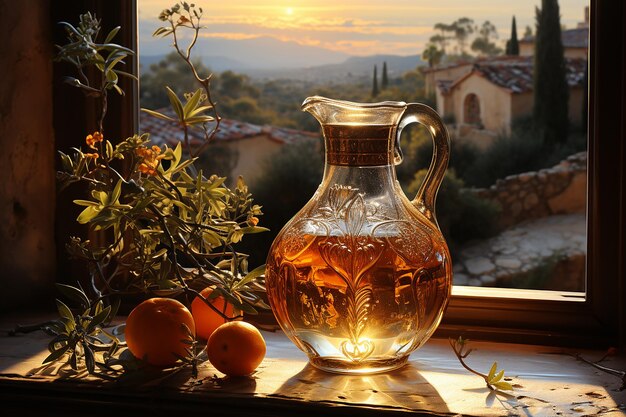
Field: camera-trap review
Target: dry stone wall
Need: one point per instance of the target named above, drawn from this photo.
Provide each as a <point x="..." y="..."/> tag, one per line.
<point x="534" y="195"/>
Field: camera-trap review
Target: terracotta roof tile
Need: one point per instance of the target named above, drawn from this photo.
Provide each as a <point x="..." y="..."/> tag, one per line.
<point x="516" y="74"/>
<point x="571" y="38"/>
<point x="165" y="132"/>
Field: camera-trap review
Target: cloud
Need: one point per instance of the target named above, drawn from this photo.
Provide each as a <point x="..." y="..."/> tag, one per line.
<point x="355" y="26"/>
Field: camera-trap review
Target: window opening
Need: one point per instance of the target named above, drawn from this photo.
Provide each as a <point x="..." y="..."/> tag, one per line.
<point x="512" y="206"/>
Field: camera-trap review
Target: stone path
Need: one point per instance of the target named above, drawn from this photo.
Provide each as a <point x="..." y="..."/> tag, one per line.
<point x="525" y="248"/>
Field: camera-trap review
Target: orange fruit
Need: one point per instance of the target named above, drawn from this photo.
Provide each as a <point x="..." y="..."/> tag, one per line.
<point x="155" y="333"/>
<point x="236" y="348"/>
<point x="207" y="320"/>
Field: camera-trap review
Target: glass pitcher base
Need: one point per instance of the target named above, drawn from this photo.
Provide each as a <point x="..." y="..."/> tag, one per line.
<point x="366" y="367"/>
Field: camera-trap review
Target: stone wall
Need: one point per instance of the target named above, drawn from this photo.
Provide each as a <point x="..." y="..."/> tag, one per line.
<point x="561" y="189"/>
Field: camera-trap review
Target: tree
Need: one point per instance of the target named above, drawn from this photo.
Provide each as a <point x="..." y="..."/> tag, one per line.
<point x="483" y="44"/>
<point x="375" y="85"/>
<point x="385" y="80"/>
<point x="463" y="28"/>
<point x="512" y="45"/>
<point x="432" y="55"/>
<point x="459" y="30"/>
<point x="528" y="32"/>
<point x="446" y="32"/>
<point x="551" y="91"/>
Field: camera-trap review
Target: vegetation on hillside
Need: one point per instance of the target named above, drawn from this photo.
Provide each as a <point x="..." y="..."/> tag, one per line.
<point x="272" y="102"/>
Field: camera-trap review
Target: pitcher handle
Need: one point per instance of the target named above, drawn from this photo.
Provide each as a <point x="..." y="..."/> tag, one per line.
<point x="424" y="201"/>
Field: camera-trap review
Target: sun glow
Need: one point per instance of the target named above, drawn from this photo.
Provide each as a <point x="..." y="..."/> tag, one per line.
<point x="289" y="11"/>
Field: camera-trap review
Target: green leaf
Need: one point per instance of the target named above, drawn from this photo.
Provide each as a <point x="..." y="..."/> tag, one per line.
<point x="86" y="203"/>
<point x="190" y="121"/>
<point x="211" y="238"/>
<point x="98" y="319"/>
<point x="56" y="354"/>
<point x="109" y="67"/>
<point x="117" y="192"/>
<point x="112" y="34"/>
<point x="159" y="31"/>
<point x="101" y="196"/>
<point x="252" y="275"/>
<point x="74" y="294"/>
<point x="492" y="371"/>
<point x="71" y="28"/>
<point x="162" y="31"/>
<point x="178" y="153"/>
<point x="109" y="149"/>
<point x="199" y="110"/>
<point x="113" y="47"/>
<point x="90" y="359"/>
<point x="66" y="161"/>
<point x="254" y="229"/>
<point x="157" y="114"/>
<point x="182" y="166"/>
<point x="192" y="103"/>
<point x="497" y="377"/>
<point x="176" y="103"/>
<point x="246" y="308"/>
<point x="87" y="215"/>
<point x="127" y="74"/>
<point x="64" y="310"/>
<point x="58" y="340"/>
<point x="503" y="385"/>
<point x="111" y="77"/>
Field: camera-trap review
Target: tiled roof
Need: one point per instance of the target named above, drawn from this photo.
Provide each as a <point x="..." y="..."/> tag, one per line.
<point x="571" y="38"/>
<point x="516" y="75"/>
<point x="165" y="132"/>
<point x="444" y="85"/>
<point x="447" y="65"/>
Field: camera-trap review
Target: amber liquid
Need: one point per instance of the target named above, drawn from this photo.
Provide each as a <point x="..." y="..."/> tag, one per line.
<point x="357" y="304"/>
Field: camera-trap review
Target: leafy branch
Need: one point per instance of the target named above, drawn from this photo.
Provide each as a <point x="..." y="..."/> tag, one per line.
<point x="84" y="51"/>
<point x="166" y="228"/>
<point x="494" y="379"/>
<point x="186" y="17"/>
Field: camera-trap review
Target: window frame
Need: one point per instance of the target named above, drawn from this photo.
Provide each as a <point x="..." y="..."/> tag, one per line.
<point x="598" y="320"/>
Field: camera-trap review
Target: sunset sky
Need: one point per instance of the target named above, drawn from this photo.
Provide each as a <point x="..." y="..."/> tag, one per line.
<point x="364" y="27"/>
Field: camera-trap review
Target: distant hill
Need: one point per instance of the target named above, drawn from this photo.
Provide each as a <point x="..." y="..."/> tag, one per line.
<point x="216" y="63"/>
<point x="269" y="58"/>
<point x="265" y="53"/>
<point x="352" y="68"/>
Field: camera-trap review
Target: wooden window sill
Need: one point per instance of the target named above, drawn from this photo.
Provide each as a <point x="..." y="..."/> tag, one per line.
<point x="550" y="382"/>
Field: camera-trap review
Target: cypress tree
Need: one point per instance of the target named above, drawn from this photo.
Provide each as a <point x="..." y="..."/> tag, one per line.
<point x="375" y="86"/>
<point x="551" y="91"/>
<point x="385" y="81"/>
<point x="512" y="45"/>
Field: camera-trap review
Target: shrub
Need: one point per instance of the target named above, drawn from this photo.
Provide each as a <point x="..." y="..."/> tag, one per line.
<point x="462" y="215"/>
<point x="418" y="151"/>
<point x="289" y="180"/>
<point x="506" y="156"/>
<point x="522" y="151"/>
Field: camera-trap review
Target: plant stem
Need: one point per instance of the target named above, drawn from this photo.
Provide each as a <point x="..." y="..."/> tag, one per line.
<point x="204" y="82"/>
<point x="610" y="371"/>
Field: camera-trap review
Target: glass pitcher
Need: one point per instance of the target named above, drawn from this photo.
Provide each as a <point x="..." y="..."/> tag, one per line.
<point x="360" y="277"/>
